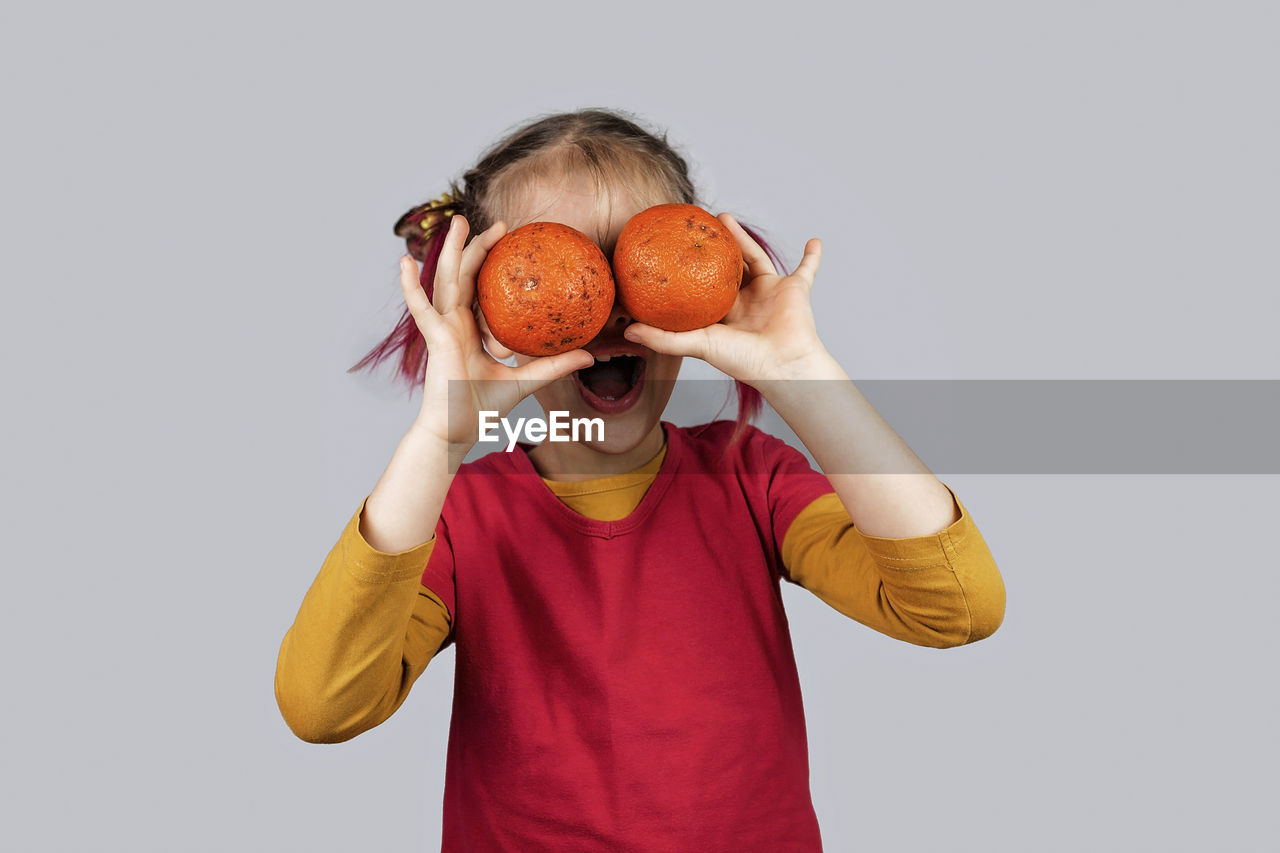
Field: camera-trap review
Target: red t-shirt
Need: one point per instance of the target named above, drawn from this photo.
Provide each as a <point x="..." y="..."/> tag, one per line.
<point x="626" y="685"/>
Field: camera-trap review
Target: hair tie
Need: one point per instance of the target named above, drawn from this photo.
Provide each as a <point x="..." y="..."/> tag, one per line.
<point x="421" y="223"/>
<point x="433" y="210"/>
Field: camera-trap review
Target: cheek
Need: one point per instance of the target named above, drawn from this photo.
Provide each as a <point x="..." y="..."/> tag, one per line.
<point x="556" y="395"/>
<point x="666" y="367"/>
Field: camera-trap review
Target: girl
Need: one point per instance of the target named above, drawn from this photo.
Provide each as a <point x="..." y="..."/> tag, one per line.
<point x="624" y="674"/>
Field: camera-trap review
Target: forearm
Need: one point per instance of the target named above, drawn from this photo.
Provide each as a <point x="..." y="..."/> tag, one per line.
<point x="402" y="510"/>
<point x="362" y="636"/>
<point x="885" y="487"/>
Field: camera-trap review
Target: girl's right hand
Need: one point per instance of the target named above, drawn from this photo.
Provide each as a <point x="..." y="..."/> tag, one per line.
<point x="462" y="378"/>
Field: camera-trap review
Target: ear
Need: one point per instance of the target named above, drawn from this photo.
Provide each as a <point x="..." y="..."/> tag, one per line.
<point x="491" y="344"/>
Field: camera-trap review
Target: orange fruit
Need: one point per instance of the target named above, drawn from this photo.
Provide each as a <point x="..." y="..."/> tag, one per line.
<point x="677" y="267"/>
<point x="545" y="288"/>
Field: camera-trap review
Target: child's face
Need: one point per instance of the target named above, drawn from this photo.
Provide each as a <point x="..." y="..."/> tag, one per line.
<point x="631" y="390"/>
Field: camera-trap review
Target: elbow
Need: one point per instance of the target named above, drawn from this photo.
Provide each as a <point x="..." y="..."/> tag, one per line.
<point x="959" y="618"/>
<point x="980" y="583"/>
<point x="316" y="733"/>
<point x="936" y="627"/>
<point x="317" y="713"/>
<point x="986" y="607"/>
<point x="314" y="729"/>
<point x="974" y="604"/>
<point x="320" y="734"/>
<point x="950" y="637"/>
<point x="317" y="706"/>
<point x="307" y="717"/>
<point x="986" y="620"/>
<point x="983" y="612"/>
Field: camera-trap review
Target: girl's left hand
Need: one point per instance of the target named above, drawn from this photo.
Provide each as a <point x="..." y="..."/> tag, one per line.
<point x="769" y="332"/>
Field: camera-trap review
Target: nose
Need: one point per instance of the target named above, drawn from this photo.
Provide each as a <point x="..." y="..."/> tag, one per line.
<point x="619" y="318"/>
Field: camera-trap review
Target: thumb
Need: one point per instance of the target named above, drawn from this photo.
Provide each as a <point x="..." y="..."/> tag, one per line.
<point x="495" y="347"/>
<point x="695" y="343"/>
<point x="548" y="368"/>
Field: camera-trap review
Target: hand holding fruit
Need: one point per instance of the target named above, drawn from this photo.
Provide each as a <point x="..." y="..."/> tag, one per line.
<point x="461" y="377"/>
<point x="676" y="271"/>
<point x="768" y="333"/>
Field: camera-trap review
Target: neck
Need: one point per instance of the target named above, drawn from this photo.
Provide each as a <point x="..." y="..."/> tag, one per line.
<point x="574" y="461"/>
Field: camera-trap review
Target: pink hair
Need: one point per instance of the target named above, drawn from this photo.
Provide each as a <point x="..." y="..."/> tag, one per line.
<point x="407" y="339"/>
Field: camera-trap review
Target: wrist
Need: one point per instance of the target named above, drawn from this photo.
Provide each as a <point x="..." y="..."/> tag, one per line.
<point x="814" y="364"/>
<point x="434" y="438"/>
<point x="792" y="382"/>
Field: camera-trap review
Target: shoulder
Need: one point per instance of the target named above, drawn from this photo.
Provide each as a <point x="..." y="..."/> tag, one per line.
<point x="711" y="438"/>
<point x="711" y="433"/>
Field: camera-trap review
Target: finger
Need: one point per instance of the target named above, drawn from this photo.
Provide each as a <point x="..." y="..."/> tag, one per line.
<point x="756" y="258"/>
<point x="492" y="344"/>
<point x="737" y="311"/>
<point x="415" y="299"/>
<point x="807" y="269"/>
<point x="695" y="343"/>
<point x="446" y="289"/>
<point x="547" y="369"/>
<point x="473" y="259"/>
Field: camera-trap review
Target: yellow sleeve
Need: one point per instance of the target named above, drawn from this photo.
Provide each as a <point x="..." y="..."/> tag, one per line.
<point x="940" y="590"/>
<point x="366" y="630"/>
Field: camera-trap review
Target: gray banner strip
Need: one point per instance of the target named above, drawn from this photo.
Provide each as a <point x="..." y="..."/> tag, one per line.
<point x="1040" y="426"/>
<point x="1078" y="426"/>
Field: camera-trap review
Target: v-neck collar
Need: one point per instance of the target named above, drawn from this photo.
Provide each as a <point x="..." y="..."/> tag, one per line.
<point x="608" y="529"/>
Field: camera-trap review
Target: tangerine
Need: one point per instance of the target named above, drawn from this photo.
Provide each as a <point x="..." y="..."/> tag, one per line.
<point x="545" y="288"/>
<point x="677" y="267"/>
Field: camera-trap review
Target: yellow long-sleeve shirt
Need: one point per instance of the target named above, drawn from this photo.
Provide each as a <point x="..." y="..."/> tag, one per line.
<point x="367" y="627"/>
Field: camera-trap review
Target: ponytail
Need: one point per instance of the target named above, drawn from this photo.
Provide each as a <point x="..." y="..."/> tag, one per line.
<point x="423" y="229"/>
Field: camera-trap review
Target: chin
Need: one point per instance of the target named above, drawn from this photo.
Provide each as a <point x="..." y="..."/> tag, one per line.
<point x="623" y="433"/>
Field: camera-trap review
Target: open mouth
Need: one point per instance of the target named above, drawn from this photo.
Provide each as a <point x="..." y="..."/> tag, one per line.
<point x="613" y="383"/>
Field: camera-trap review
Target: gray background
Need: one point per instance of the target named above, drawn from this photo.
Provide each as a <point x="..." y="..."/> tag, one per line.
<point x="197" y="207"/>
